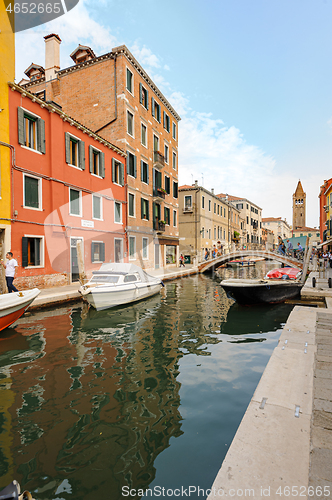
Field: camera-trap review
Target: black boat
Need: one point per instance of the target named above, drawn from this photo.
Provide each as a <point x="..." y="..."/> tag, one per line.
<point x="270" y="290"/>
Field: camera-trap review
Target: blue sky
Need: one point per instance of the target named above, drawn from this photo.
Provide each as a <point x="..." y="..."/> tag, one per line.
<point x="251" y="80"/>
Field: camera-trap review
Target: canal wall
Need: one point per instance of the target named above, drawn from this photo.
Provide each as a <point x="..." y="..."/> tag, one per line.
<point x="270" y="453"/>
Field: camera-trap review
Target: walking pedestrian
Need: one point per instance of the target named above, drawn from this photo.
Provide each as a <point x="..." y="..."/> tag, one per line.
<point x="182" y="261"/>
<point x="10" y="266"/>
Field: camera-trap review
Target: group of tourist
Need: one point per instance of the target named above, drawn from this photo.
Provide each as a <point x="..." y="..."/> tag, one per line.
<point x="289" y="250"/>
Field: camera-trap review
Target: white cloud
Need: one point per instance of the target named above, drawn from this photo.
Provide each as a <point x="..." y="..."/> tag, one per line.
<point x="145" y="56"/>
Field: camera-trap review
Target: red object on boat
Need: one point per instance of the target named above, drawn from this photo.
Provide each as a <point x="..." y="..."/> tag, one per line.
<point x="13" y="305"/>
<point x="291" y="272"/>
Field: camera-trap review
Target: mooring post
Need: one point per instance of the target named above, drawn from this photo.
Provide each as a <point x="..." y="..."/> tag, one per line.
<point x="80" y="261"/>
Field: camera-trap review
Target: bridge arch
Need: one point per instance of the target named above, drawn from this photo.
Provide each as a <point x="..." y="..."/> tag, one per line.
<point x="238" y="254"/>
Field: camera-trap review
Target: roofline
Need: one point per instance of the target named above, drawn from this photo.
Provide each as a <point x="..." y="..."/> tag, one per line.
<point x="239" y="199"/>
<point x="54" y="109"/>
<point x="201" y="188"/>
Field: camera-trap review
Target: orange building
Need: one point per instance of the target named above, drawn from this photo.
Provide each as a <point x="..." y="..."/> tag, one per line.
<point x="114" y="97"/>
<point x="323" y="209"/>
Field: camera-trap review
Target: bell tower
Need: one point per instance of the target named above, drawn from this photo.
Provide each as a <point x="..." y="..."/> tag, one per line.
<point x="299" y="206"/>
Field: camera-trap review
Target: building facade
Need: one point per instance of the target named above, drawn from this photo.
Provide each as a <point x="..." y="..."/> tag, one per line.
<point x="252" y="220"/>
<point x="279" y="226"/>
<point x="299" y="207"/>
<point x="325" y="205"/>
<point x="205" y="222"/>
<point x="113" y="96"/>
<point x="68" y="186"/>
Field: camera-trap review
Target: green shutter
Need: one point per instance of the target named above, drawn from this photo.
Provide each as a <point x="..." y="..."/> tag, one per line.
<point x="20" y="118"/>
<point x="37" y="242"/>
<point x="164" y="119"/>
<point x="102" y="165"/>
<point x="135" y="166"/>
<point x="147" y="171"/>
<point x="142" y="170"/>
<point x="140" y="93"/>
<point x="147" y="99"/>
<point x="113" y="170"/>
<point x="67" y="142"/>
<point x="92" y="251"/>
<point x="31" y="192"/>
<point x="152" y="106"/>
<point x="25" y="261"/>
<point x="81" y="154"/>
<point x="127" y="161"/>
<point x="91" y="159"/>
<point x="41" y="135"/>
<point x="142" y="208"/>
<point x="121" y="174"/>
<point x="147" y="210"/>
<point x="102" y="252"/>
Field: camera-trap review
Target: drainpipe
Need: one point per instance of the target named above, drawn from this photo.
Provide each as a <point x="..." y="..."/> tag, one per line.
<point x="115" y="100"/>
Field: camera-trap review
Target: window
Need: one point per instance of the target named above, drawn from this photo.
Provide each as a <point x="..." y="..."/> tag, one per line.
<point x="174" y="218"/>
<point x="132" y="247"/>
<point x="174" y="161"/>
<point x="97" y="207"/>
<point x="117" y="172"/>
<point x="32" y="196"/>
<point x="166" y="122"/>
<point x="218" y="209"/>
<point x="31" y="130"/>
<point x="129" y="81"/>
<point x="155" y="143"/>
<point x="175" y="189"/>
<point x="187" y="201"/>
<point x="143" y="96"/>
<point x="215" y="208"/>
<point x="131" y="164"/>
<point x="174" y="131"/>
<point x="32" y="251"/>
<point x="75" y="202"/>
<point x="75" y="151"/>
<point x="209" y="205"/>
<point x="143" y="135"/>
<point x="203" y="201"/>
<point x="131" y="205"/>
<point x="224" y="212"/>
<point x="145" y="245"/>
<point x="130" y="123"/>
<point x="144" y="209"/>
<point x="97" y="251"/>
<point x="117" y="212"/>
<point x="167" y="184"/>
<point x="166" y="153"/>
<point x="239" y="206"/>
<point x="97" y="162"/>
<point x="167" y="216"/>
<point x="156" y="111"/>
<point x="144" y="172"/>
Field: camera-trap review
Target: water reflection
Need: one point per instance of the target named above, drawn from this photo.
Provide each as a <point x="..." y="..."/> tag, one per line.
<point x="88" y="400"/>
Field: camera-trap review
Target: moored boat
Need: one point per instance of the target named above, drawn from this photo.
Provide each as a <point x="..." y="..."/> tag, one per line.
<point x="13" y="305"/>
<point x="116" y="284"/>
<point x="277" y="286"/>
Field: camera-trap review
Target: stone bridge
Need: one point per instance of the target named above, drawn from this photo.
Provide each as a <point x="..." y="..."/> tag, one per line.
<point x="211" y="264"/>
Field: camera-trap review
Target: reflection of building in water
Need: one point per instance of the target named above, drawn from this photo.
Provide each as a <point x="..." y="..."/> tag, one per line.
<point x="87" y="404"/>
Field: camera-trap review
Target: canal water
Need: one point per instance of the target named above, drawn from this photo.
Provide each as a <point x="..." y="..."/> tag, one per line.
<point x="101" y="405"/>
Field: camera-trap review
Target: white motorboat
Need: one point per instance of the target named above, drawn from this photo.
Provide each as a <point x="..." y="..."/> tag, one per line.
<point x="117" y="284"/>
<point x="13" y="305"/>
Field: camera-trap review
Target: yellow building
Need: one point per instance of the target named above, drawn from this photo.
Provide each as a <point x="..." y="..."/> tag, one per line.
<point x="7" y="74"/>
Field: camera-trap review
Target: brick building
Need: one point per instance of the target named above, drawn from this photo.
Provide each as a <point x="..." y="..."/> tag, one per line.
<point x="68" y="185"/>
<point x="113" y="96"/>
<point x="325" y="204"/>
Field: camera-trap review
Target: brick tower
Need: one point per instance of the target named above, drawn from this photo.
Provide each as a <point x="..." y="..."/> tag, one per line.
<point x="299" y="205"/>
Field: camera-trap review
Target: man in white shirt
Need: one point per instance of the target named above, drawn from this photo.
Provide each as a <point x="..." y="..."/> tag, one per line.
<point x="10" y="266"/>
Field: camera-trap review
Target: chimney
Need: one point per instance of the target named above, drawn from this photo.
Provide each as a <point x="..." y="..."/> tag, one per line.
<point x="196" y="184"/>
<point x="212" y="190"/>
<point x="52" y="56"/>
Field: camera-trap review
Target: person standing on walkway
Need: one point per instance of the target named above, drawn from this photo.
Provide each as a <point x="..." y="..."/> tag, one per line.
<point x="182" y="261"/>
<point x="10" y="266"/>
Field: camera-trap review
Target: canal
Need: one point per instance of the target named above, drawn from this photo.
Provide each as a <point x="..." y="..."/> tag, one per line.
<point x="148" y="396"/>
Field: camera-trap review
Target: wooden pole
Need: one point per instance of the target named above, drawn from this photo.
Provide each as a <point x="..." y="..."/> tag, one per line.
<point x="80" y="261"/>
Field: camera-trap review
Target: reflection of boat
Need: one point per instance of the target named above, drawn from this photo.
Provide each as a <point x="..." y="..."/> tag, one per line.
<point x="257" y="319"/>
<point x="267" y="290"/>
<point x="117" y="284"/>
<point x="13" y="305"/>
<point x="13" y="490"/>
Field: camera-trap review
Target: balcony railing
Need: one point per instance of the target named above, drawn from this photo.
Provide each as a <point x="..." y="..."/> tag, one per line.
<point x="158" y="225"/>
<point x="159" y="192"/>
<point x="158" y="159"/>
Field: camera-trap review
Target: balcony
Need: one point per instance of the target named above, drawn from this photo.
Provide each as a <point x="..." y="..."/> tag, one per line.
<point x="159" y="225"/>
<point x="188" y="210"/>
<point x="159" y="193"/>
<point x="158" y="159"/>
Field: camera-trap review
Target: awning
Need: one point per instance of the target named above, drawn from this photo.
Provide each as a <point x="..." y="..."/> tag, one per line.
<point x="327" y="242"/>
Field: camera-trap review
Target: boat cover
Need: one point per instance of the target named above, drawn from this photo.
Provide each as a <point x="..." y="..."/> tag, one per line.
<point x="123" y="268"/>
<point x="291" y="272"/>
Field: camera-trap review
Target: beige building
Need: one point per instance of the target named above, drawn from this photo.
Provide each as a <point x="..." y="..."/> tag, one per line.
<point x="252" y="220"/>
<point x="312" y="232"/>
<point x="279" y="226"/>
<point x="206" y="221"/>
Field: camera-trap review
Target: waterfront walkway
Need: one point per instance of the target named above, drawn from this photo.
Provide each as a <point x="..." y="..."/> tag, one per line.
<point x="283" y="446"/>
